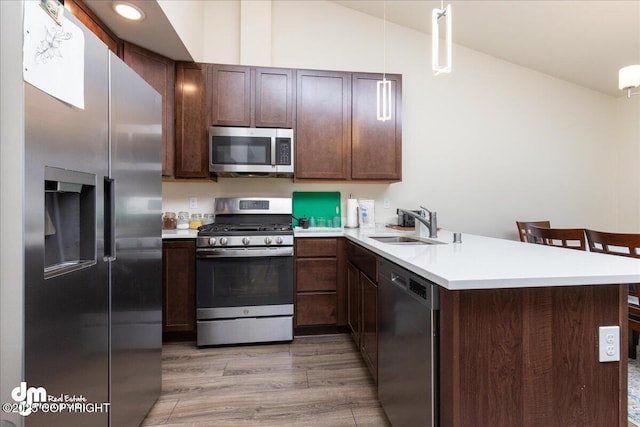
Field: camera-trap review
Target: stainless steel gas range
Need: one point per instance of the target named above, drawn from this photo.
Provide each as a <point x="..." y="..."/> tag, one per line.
<point x="244" y="272"/>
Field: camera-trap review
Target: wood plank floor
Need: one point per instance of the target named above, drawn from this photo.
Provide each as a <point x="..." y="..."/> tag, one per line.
<point x="315" y="380"/>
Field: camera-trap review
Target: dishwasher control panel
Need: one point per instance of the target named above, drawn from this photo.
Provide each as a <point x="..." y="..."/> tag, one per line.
<point x="418" y="289"/>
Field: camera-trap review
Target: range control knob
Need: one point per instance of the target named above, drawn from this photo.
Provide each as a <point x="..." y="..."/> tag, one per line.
<point x="279" y="240"/>
<point x="246" y="241"/>
<point x="268" y="240"/>
<point x="212" y="241"/>
<point x="223" y="241"/>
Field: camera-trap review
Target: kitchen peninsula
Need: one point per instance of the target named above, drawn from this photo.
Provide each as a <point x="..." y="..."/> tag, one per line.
<point x="518" y="329"/>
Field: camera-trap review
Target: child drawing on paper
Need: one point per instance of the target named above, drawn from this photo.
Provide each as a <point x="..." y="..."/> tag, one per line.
<point x="49" y="47"/>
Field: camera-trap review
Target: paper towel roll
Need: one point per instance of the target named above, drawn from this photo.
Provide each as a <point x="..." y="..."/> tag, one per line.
<point x="352" y="213"/>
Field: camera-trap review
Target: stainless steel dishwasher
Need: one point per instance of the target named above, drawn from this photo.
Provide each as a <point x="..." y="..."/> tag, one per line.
<point x="407" y="345"/>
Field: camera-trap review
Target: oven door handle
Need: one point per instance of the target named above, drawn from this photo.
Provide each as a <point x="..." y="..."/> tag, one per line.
<point x="243" y="252"/>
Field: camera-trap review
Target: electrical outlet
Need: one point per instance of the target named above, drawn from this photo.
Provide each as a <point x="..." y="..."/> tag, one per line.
<point x="386" y="203"/>
<point x="193" y="203"/>
<point x="609" y="343"/>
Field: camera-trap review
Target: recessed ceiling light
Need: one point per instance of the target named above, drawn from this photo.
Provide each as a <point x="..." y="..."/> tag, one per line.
<point x="128" y="10"/>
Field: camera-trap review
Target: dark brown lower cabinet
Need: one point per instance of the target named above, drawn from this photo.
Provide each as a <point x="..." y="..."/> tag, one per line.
<point x="320" y="299"/>
<point x="353" y="303"/>
<point x="179" y="287"/>
<point x="362" y="291"/>
<point x="315" y="308"/>
<point x="369" y="341"/>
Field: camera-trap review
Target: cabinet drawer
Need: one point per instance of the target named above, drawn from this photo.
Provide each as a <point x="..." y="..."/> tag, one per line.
<point x="364" y="260"/>
<point x="315" y="274"/>
<point x="316" y="309"/>
<point x="316" y="247"/>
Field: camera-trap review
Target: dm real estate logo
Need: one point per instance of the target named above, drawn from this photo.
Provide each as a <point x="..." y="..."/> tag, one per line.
<point x="27" y="400"/>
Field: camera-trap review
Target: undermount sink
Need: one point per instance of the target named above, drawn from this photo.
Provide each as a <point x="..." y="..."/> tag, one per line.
<point x="403" y="240"/>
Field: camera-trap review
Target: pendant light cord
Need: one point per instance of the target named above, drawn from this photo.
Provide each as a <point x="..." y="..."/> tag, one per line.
<point x="384" y="40"/>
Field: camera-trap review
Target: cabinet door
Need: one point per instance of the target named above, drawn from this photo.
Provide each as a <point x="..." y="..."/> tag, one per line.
<point x="160" y="73"/>
<point x="178" y="280"/>
<point x="376" y="145"/>
<point x="353" y="302"/>
<point x="323" y="125"/>
<point x="274" y="98"/>
<point x="369" y="339"/>
<point x="230" y="87"/>
<point x="191" y="121"/>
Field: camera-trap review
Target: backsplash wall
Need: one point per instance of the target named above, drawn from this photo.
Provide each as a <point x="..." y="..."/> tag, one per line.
<point x="176" y="194"/>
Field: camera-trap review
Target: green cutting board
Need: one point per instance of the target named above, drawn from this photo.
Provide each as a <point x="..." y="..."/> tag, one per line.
<point x="317" y="204"/>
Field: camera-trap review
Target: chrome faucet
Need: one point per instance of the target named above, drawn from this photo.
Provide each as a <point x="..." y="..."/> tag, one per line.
<point x="431" y="223"/>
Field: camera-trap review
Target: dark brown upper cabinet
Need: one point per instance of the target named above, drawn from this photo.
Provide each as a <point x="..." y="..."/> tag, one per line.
<point x="159" y="72"/>
<point x="274" y="89"/>
<point x="323" y="125"/>
<point x="251" y="96"/>
<point x="338" y="136"/>
<point x="376" y="146"/>
<point x="192" y="121"/>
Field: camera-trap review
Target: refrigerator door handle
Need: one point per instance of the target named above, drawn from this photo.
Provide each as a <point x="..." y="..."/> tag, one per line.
<point x="109" y="219"/>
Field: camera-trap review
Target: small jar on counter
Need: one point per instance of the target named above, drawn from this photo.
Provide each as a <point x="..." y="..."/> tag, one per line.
<point x="169" y="221"/>
<point x="183" y="220"/>
<point x="207" y="219"/>
<point x="196" y="221"/>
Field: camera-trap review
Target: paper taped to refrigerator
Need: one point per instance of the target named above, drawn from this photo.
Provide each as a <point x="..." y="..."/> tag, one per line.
<point x="53" y="55"/>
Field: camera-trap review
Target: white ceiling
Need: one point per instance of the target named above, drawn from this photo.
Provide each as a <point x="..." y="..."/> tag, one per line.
<point x="154" y="32"/>
<point x="584" y="42"/>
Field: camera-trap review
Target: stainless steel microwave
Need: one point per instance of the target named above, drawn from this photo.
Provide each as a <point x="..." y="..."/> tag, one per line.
<point x="251" y="151"/>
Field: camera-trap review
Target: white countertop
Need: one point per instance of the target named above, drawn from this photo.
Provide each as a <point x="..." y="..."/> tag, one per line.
<point x="318" y="232"/>
<point x="179" y="234"/>
<point x="482" y="262"/>
<point x="488" y="263"/>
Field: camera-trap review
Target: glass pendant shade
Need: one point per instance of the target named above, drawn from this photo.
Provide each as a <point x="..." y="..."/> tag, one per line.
<point x="436" y="15"/>
<point x="383" y="100"/>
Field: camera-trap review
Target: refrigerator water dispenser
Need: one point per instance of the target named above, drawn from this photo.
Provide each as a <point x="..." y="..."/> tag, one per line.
<point x="69" y="221"/>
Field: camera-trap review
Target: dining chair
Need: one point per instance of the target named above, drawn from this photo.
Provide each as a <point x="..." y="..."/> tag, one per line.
<point x="571" y="238"/>
<point x="622" y="244"/>
<point x="522" y="227"/>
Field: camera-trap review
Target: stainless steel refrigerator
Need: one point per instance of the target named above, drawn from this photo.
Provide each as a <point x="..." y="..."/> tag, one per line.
<point x="93" y="320"/>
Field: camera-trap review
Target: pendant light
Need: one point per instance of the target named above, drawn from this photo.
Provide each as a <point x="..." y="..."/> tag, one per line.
<point x="629" y="78"/>
<point x="383" y="87"/>
<point x="436" y="15"/>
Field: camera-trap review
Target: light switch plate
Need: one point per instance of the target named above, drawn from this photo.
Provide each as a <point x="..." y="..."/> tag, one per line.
<point x="609" y="343"/>
<point x="193" y="203"/>
<point x="386" y="203"/>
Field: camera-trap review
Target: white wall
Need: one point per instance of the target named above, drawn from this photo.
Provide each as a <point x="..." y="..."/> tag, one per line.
<point x="487" y="145"/>
<point x="627" y="148"/>
<point x="187" y="19"/>
<point x="11" y="203"/>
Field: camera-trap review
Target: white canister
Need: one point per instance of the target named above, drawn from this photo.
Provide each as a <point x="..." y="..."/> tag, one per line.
<point x="367" y="213"/>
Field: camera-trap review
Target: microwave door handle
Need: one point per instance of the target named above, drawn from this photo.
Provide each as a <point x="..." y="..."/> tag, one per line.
<point x="273" y="150"/>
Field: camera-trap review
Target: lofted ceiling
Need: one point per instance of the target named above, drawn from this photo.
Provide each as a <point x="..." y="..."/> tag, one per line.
<point x="154" y="32"/>
<point x="584" y="42"/>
